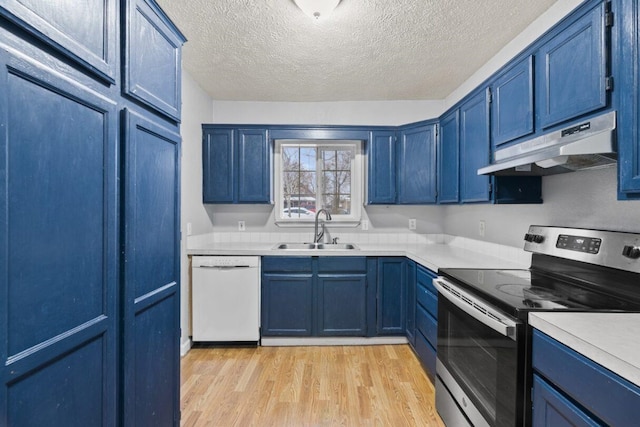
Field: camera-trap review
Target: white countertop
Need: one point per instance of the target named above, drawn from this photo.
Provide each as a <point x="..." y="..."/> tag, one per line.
<point x="432" y="255"/>
<point x="610" y="339"/>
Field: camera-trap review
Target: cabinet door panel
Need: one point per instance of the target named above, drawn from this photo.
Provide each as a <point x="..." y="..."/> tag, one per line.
<point x="85" y="31"/>
<point x="417" y="166"/>
<point x="287" y="304"/>
<point x="572" y="70"/>
<point x="449" y="160"/>
<point x="218" y="156"/>
<point x="151" y="308"/>
<point x="58" y="249"/>
<point x="411" y="301"/>
<point x="254" y="172"/>
<point x="512" y="107"/>
<point x="382" y="168"/>
<point x="341" y="305"/>
<point x="552" y="409"/>
<point x="152" y="58"/>
<point x="474" y="148"/>
<point x="391" y="296"/>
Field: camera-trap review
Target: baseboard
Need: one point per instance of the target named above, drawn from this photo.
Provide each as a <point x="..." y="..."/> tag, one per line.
<point x="185" y="346"/>
<point x="319" y="341"/>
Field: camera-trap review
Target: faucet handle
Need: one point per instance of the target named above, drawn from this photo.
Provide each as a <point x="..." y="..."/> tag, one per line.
<point x="334" y="240"/>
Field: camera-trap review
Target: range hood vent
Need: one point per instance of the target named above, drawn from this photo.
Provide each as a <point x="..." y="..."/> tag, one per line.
<point x="588" y="145"/>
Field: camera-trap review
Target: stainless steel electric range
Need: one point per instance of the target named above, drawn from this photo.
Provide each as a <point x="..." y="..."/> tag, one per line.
<point x="484" y="341"/>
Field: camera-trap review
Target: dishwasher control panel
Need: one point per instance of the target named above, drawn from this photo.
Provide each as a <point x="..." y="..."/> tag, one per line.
<point x="225" y="261"/>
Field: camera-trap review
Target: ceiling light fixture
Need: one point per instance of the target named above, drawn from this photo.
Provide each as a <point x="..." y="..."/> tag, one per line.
<point x="317" y="8"/>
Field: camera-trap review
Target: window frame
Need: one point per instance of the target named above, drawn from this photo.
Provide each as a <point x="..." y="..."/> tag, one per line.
<point x="357" y="181"/>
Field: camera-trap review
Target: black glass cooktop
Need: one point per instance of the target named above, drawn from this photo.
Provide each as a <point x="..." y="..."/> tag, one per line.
<point x="517" y="292"/>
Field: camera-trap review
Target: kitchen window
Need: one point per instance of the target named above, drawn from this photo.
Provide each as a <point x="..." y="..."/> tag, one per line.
<point x="311" y="175"/>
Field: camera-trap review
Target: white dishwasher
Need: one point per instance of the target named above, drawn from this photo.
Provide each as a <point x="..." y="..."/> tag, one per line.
<point x="225" y="298"/>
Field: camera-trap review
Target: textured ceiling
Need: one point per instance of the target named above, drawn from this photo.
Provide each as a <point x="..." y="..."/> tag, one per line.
<point x="268" y="50"/>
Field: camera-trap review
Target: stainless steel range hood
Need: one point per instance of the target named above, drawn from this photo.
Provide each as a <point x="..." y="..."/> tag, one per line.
<point x="587" y="145"/>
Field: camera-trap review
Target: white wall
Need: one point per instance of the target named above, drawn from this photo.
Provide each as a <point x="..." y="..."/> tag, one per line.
<point x="196" y="109"/>
<point x="585" y="199"/>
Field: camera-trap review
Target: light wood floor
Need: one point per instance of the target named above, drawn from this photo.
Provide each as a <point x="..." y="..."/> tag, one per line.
<point x="306" y="386"/>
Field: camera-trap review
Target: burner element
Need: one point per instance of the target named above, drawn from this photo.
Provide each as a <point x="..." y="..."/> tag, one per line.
<point x="531" y="292"/>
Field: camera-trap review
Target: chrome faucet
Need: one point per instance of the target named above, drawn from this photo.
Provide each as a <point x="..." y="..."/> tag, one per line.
<point x="317" y="236"/>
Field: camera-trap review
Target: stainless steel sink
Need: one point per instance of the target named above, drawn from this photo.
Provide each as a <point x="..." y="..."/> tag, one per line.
<point x="316" y="246"/>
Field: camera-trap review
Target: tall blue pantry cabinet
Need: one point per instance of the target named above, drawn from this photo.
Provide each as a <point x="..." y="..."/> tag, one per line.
<point x="89" y="210"/>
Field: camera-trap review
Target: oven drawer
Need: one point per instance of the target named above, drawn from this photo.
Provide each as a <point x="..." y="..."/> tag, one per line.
<point x="427" y="325"/>
<point x="426" y="353"/>
<point x="608" y="396"/>
<point x="428" y="300"/>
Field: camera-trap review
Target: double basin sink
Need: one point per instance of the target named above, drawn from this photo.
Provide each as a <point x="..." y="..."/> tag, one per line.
<point x="316" y="246"/>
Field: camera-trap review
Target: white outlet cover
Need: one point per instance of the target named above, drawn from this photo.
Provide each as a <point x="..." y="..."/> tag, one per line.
<point x="241" y="226"/>
<point x="412" y="223"/>
<point x="365" y="224"/>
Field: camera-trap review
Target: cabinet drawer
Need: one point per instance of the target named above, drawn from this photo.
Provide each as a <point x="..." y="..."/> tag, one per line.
<point x="286" y="264"/>
<point x="345" y="264"/>
<point x="428" y="300"/>
<point x="427" y="325"/>
<point x="425" y="278"/>
<point x="426" y="353"/>
<point x="608" y="396"/>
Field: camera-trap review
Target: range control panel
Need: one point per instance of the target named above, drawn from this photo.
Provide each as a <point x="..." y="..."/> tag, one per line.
<point x="589" y="245"/>
<point x="615" y="249"/>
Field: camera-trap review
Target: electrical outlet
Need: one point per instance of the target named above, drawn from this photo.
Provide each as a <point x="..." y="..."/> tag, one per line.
<point x="365" y="224"/>
<point x="189" y="229"/>
<point x="481" y="228"/>
<point x="412" y="223"/>
<point x="241" y="226"/>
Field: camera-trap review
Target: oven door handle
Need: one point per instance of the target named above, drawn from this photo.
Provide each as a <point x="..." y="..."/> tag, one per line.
<point x="476" y="308"/>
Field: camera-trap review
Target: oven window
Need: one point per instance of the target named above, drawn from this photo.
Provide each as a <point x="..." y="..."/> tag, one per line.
<point x="483" y="363"/>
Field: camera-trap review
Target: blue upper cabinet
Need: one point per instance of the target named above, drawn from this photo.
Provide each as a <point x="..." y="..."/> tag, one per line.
<point x="254" y="167"/>
<point x="236" y="165"/>
<point x="416" y="167"/>
<point x="474" y="148"/>
<point x="382" y="167"/>
<point x="628" y="57"/>
<point x="152" y="59"/>
<point x="449" y="159"/>
<point x="85" y="31"/>
<point x="572" y="70"/>
<point x="512" y="103"/>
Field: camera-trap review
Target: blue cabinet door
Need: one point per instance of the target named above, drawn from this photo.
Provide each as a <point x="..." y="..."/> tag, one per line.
<point x="218" y="159"/>
<point x="152" y="58"/>
<point x="474" y="148"/>
<point x="449" y="159"/>
<point x="392" y="279"/>
<point x="512" y="105"/>
<point x="287" y="304"/>
<point x="410" y="324"/>
<point x="58" y="248"/>
<point x="341" y="305"/>
<point x="552" y="409"/>
<point x="571" y="70"/>
<point x="86" y="31"/>
<point x="253" y="167"/>
<point x="627" y="59"/>
<point x="382" y="168"/>
<point x="416" y="165"/>
<point x="151" y="290"/>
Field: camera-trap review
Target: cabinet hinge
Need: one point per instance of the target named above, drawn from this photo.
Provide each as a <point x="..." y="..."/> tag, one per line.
<point x="608" y="19"/>
<point x="436" y="131"/>
<point x="490" y="189"/>
<point x="489" y="95"/>
<point x="608" y="83"/>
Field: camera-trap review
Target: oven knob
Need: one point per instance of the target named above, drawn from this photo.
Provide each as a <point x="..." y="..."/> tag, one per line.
<point x="632" y="252"/>
<point x="538" y="238"/>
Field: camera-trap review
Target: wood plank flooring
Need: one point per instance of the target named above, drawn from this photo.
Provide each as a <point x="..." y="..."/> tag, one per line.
<point x="306" y="386"/>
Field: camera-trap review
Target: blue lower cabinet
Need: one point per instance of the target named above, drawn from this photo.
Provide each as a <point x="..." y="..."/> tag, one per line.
<point x="426" y="353"/>
<point x="342" y="305"/>
<point x="287" y="304"/>
<point x="427" y="325"/>
<point x="552" y="409"/>
<point x="391" y="309"/>
<point x="411" y="302"/>
<point x="571" y="389"/>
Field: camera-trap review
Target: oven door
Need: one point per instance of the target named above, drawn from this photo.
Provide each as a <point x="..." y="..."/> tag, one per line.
<point x="480" y="360"/>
